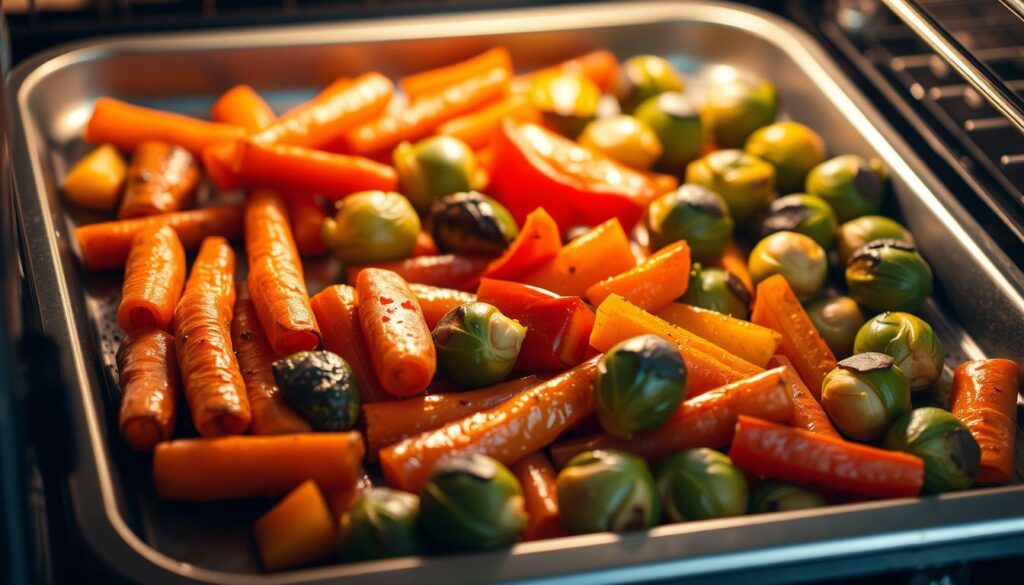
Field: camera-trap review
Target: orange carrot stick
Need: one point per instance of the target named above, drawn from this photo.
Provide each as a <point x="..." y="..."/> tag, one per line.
<point x="425" y="245"/>
<point x="733" y="260"/>
<point x="153" y="279"/>
<point x="597" y="66"/>
<point x="162" y="178"/>
<point x="661" y="279"/>
<point x="985" y="399"/>
<point x="148" y="375"/>
<point x="477" y="128"/>
<point x="751" y="342"/>
<point x="300" y="529"/>
<point x="242" y="106"/>
<point x="537" y="478"/>
<point x="429" y="82"/>
<point x="448" y="271"/>
<point x="307" y="224"/>
<point x="435" y="302"/>
<point x="807" y="412"/>
<point x="598" y="254"/>
<point x="538" y="242"/>
<point x="213" y="384"/>
<point x="128" y="126"/>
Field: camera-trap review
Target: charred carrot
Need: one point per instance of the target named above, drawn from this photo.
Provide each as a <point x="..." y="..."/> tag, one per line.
<point x="300" y="529"/>
<point x="478" y="128"/>
<point x="307" y="218"/>
<point x="530" y="421"/>
<point x="751" y="342"/>
<point x="433" y="81"/>
<point x="425" y="245"/>
<point x="764" y="448"/>
<point x="106" y="245"/>
<point x="127" y="126"/>
<point x="598" y="254"/>
<point x="538" y="242"/>
<point x="209" y="372"/>
<point x="537" y="478"/>
<point x="162" y="178"/>
<point x="661" y="279"/>
<point x="435" y="302"/>
<point x="276" y="281"/>
<point x="148" y="375"/>
<point x="807" y="412"/>
<point x="733" y="261"/>
<point x="448" y="271"/>
<point x="153" y="278"/>
<point x="242" y="106"/>
<point x="985" y="399"/>
<point x="224" y="468"/>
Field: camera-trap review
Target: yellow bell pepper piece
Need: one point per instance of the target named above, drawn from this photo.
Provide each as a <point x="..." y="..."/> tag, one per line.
<point x="95" y="181"/>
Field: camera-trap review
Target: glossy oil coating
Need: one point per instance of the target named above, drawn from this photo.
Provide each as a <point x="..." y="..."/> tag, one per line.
<point x="153" y="279"/>
<point x="162" y="178"/>
<point x="148" y="374"/>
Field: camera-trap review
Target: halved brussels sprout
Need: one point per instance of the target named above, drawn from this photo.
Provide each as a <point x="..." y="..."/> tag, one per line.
<point x="950" y="453"/>
<point x="640" y="383"/>
<point x="864" y="395"/>
<point x="863" y="230"/>
<point x="643" y="77"/>
<point x="910" y="341"/>
<point x="793" y="148"/>
<point x="476" y="345"/>
<point x="693" y="213"/>
<point x="606" y="490"/>
<point x="778" y="496"/>
<point x="679" y="127"/>
<point x="737" y="108"/>
<point x="746" y="182"/>
<point x="381" y="524"/>
<point x="699" y="484"/>
<point x="837" y="319"/>
<point x="850" y="184"/>
<point x="798" y="258"/>
<point x="888" y="275"/>
<point x="803" y="214"/>
<point x="471" y="223"/>
<point x="567" y="101"/>
<point x="372" y="226"/>
<point x="629" y="140"/>
<point x="435" y="167"/>
<point x="321" y="387"/>
<point x="717" y="290"/>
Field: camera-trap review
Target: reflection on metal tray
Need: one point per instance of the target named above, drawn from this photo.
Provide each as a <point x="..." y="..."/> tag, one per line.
<point x="111" y="494"/>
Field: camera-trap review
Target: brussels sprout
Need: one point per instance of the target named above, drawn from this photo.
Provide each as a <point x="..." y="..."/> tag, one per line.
<point x="778" y="496"/>
<point x="858" y="232"/>
<point x="864" y="394"/>
<point x="746" y="182"/>
<point x="567" y="101"/>
<point x="606" y="490"/>
<point x="642" y="77"/>
<point x="717" y="290"/>
<point x="793" y="148"/>
<point x="477" y="345"/>
<point x="950" y="453"/>
<point x="471" y="503"/>
<point x="379" y="525"/>
<point x="679" y="128"/>
<point x="796" y="257"/>
<point x="910" y="341"/>
<point x="435" y="167"/>
<point x="737" y="108"/>
<point x="372" y="226"/>
<point x="850" y="184"/>
<point x="888" y="275"/>
<point x="471" y="223"/>
<point x="837" y="319"/>
<point x="624" y="138"/>
<point x="640" y="383"/>
<point x="699" y="484"/>
<point x="693" y="213"/>
<point x="321" y="387"/>
<point x="803" y="214"/>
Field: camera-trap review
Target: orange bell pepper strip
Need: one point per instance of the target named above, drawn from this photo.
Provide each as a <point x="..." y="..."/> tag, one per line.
<point x="126" y="126"/>
<point x="447" y="271"/>
<point x="598" y="66"/>
<point x="985" y="400"/>
<point x="537" y="478"/>
<point x="433" y="81"/>
<point x="478" y="128"/>
<point x="538" y="242"/>
<point x="153" y="279"/>
<point x="148" y="375"/>
<point x="733" y="260"/>
<point x="242" y="106"/>
<point x="661" y="279"/>
<point x="807" y="412"/>
<point x="307" y="217"/>
<point x="436" y="302"/>
<point x="601" y="253"/>
<point x="751" y="342"/>
<point x="300" y="529"/>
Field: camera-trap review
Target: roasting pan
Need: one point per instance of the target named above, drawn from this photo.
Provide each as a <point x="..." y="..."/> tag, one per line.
<point x="978" y="309"/>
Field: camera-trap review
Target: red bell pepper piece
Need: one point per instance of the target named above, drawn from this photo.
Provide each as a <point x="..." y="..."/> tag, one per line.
<point x="557" y="328"/>
<point x="538" y="242"/>
<point x="448" y="271"/>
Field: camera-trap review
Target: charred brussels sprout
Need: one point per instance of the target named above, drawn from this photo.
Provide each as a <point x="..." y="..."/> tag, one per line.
<point x="910" y="341"/>
<point x="471" y="223"/>
<point x="372" y="226"/>
<point x="746" y="182"/>
<point x="381" y="524"/>
<point x="888" y="275"/>
<point x="640" y="383"/>
<point x="477" y="345"/>
<point x="699" y="484"/>
<point x="717" y="290"/>
<point x="567" y="101"/>
<point x="950" y="453"/>
<point x="737" y="108"/>
<point x="643" y="77"/>
<point x="864" y="395"/>
<point x="435" y="167"/>
<point x="863" y="230"/>
<point x="471" y="503"/>
<point x="321" y="387"/>
<point x="624" y="138"/>
<point x="777" y="496"/>
<point x="679" y="128"/>
<point x="803" y="214"/>
<point x="693" y="213"/>
<point x="850" y="184"/>
<point x="798" y="258"/>
<point x="793" y="148"/>
<point x="838" y="320"/>
<point x="606" y="490"/>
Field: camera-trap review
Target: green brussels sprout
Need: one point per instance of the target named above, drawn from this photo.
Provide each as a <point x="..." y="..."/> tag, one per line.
<point x="629" y="140"/>
<point x="477" y="345"/>
<point x="606" y="490"/>
<point x="471" y="223"/>
<point x="850" y="184"/>
<point x="793" y="148"/>
<point x="909" y="340"/>
<point x="471" y="503"/>
<point x="435" y="167"/>
<point x="379" y="525"/>
<point x="567" y="101"/>
<point x="888" y="275"/>
<point x="372" y="226"/>
<point x="693" y="213"/>
<point x="864" y="395"/>
<point x="778" y="496"/>
<point x="862" y="230"/>
<point x="950" y="453"/>
<point x="837" y="319"/>
<point x="803" y="214"/>
<point x="640" y="383"/>
<point x="321" y="387"/>
<point x="717" y="290"/>
<point x="679" y="128"/>
<point x="643" y="77"/>
<point x="746" y="182"/>
<point x="798" y="258"/>
<point x="700" y="484"/>
<point x="737" y="108"/>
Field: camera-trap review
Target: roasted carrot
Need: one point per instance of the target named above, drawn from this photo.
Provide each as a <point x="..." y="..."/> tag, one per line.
<point x="764" y="448"/>
<point x="209" y="372"/>
<point x="733" y="261"/>
<point x="707" y="420"/>
<point x="807" y="412"/>
<point x="597" y="66"/>
<point x="707" y="365"/>
<point x="276" y="281"/>
<point x="127" y="126"/>
<point x="425" y="245"/>
<point x="300" y="529"/>
<point x="162" y="178"/>
<point x="270" y="414"/>
<point x="661" y="279"/>
<point x="153" y="278"/>
<point x="218" y="162"/>
<point x="537" y="478"/>
<point x="242" y="106"/>
<point x="307" y="218"/>
<point x="598" y="254"/>
<point x="448" y="271"/>
<point x="435" y="302"/>
<point x="985" y="399"/>
<point x="432" y="81"/>
<point x="148" y="375"/>
<point x="538" y="242"/>
<point x="478" y="128"/>
<point x="530" y="421"/>
<point x="335" y="308"/>
<point x="751" y="342"/>
<point x="401" y="348"/>
<point x="777" y="308"/>
<point x="224" y="468"/>
<point x="106" y="245"/>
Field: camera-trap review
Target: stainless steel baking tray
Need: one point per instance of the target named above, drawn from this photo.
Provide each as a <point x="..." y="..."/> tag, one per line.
<point x="109" y="490"/>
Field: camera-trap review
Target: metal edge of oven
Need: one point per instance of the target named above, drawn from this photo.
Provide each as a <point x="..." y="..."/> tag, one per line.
<point x="900" y="529"/>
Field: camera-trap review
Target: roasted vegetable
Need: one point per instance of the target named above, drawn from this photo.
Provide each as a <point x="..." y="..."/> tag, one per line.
<point x="984" y="398"/>
<point x="679" y="127"/>
<point x="699" y="484"/>
<point x="888" y="275"/>
<point x="95" y="181"/>
<point x="606" y="490"/>
<point x="737" y="108"/>
<point x="909" y="340"/>
<point x="435" y="167"/>
<point x="803" y="214"/>
<point x="372" y="226"/>
<point x="477" y="345"/>
<point x="837" y="319"/>
<point x="850" y="184"/>
<point x="746" y="182"/>
<point x="794" y="149"/>
<point x="798" y="258"/>
<point x="471" y="223"/>
<point x="864" y="394"/>
<point x="567" y="101"/>
<point x="951" y="454"/>
<point x="321" y="387"/>
<point x="381" y="524"/>
<point x="862" y="230"/>
<point x="693" y="213"/>
<point x="642" y="77"/>
<point x="717" y="290"/>
<point x="629" y="140"/>
<point x="779" y="496"/>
